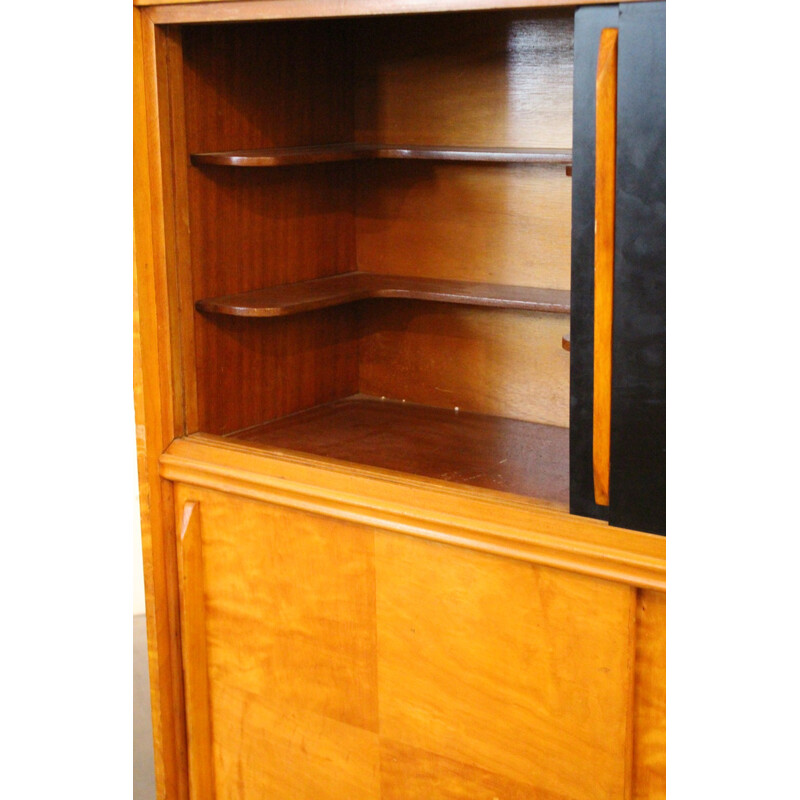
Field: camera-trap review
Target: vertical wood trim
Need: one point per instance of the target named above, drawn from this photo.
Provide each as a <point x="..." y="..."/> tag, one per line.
<point x="176" y="143"/>
<point x="630" y="718"/>
<point x="605" y="175"/>
<point x="156" y="105"/>
<point x="154" y="429"/>
<point x="649" y="778"/>
<point x="195" y="658"/>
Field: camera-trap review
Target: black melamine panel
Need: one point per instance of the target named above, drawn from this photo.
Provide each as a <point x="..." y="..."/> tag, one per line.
<point x="638" y="391"/>
<point x="589" y="22"/>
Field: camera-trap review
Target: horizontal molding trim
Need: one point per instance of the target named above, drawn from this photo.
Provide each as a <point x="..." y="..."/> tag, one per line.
<point x="532" y="533"/>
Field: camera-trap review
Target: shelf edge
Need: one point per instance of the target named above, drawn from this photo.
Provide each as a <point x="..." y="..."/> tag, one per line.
<point x="351" y="287"/>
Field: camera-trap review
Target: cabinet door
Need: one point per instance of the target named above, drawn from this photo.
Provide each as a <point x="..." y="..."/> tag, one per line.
<point x="329" y="660"/>
<point x="633" y="463"/>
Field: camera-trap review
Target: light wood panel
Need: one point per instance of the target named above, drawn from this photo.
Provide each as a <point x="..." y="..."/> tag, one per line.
<point x="410" y="773"/>
<point x="290" y="620"/>
<point x="291" y="609"/>
<point x="502" y="79"/>
<point x="507" y="364"/>
<point x="489" y="223"/>
<point x="520" y="671"/>
<point x="350" y="662"/>
<point x="471" y="518"/>
<point x="264" y="750"/>
<point x="195" y="657"/>
<point x="650" y="720"/>
<point x="172" y="11"/>
<point x="156" y="424"/>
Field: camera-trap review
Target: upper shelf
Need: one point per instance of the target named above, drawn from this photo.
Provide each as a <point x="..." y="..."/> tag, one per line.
<point x="293" y="298"/>
<point x="350" y="151"/>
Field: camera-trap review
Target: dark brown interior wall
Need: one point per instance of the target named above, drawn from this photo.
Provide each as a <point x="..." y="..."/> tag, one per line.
<point x="269" y="85"/>
<point x="498" y="79"/>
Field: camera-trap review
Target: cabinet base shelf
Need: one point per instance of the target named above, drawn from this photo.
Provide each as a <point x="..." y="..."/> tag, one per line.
<point x="507" y="455"/>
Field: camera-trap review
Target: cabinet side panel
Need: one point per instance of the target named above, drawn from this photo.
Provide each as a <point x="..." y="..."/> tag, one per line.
<point x="650" y="723"/>
<point x="252" y="86"/>
<point x="638" y="401"/>
<point x="588" y="24"/>
<point x="155" y="425"/>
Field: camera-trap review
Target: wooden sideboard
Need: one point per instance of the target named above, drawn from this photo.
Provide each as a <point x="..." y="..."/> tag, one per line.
<point x="352" y="234"/>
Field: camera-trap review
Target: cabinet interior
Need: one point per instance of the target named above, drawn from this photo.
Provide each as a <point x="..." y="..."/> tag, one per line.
<point x="424" y="158"/>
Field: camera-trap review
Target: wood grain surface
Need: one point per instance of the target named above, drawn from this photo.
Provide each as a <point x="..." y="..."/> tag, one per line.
<point x="501" y="79"/>
<point x="251" y="86"/>
<point x="393" y="664"/>
<point x="492" y="223"/>
<point x="156" y="424"/>
<point x="195" y="656"/>
<point x="350" y="287"/>
<point x="477" y="450"/>
<point x="650" y="721"/>
<point x="474" y="518"/>
<point x="605" y="199"/>
<point x="174" y="11"/>
<point x="490" y="361"/>
<point x="518" y="671"/>
<point x="352" y="151"/>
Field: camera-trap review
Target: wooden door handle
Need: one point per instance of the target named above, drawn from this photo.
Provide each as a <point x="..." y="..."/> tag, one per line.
<point x="604" y="200"/>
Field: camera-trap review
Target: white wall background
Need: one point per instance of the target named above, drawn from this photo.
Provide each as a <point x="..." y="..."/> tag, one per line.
<point x="138" y="574"/>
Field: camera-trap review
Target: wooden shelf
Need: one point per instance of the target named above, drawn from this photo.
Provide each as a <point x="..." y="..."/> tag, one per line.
<point x="474" y="449"/>
<point x="293" y="298"/>
<point x="349" y="151"/>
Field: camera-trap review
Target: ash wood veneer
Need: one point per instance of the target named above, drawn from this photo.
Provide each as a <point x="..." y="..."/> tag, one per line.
<point x="350" y="287"/>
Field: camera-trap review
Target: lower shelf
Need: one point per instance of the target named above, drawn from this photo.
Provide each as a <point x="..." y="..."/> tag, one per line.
<point x="507" y="455"/>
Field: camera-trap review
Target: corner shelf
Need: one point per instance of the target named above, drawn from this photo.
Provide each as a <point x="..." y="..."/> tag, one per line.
<point x="294" y="298"/>
<point x="352" y="151"/>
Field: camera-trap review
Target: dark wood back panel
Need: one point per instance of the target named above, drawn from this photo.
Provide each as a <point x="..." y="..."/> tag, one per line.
<point x="483" y="79"/>
<point x="490" y="361"/>
<point x="269" y="85"/>
<point x="272" y="84"/>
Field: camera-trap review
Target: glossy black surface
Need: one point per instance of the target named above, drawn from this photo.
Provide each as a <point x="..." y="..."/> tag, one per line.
<point x="638" y="390"/>
<point x="589" y="22"/>
<point x="638" y="403"/>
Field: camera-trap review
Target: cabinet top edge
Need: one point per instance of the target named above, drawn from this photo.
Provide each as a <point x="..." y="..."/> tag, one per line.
<point x="469" y="517"/>
<point x="198" y="11"/>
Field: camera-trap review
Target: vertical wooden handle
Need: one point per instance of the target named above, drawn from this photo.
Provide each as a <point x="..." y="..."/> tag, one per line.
<point x="195" y="660"/>
<point x="604" y="200"/>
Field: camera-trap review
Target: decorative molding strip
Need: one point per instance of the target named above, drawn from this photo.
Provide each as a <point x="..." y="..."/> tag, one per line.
<point x="243" y="10"/>
<point x="429" y="509"/>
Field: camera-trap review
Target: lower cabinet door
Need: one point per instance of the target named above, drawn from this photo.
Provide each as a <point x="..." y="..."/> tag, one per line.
<point x="327" y="659"/>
